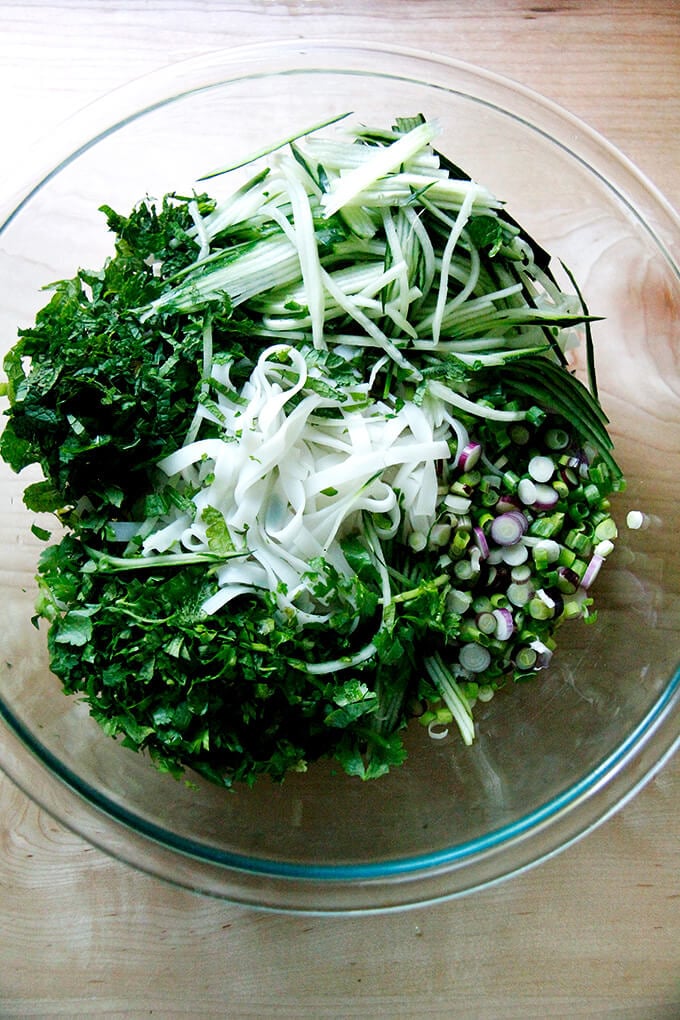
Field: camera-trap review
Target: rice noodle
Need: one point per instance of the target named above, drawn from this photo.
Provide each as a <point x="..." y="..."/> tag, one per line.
<point x="290" y="482"/>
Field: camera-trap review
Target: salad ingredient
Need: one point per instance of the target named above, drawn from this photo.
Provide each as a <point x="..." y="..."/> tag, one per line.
<point x="318" y="456"/>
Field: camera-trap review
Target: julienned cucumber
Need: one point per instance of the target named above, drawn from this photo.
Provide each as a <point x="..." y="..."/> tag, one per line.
<point x="320" y="459"/>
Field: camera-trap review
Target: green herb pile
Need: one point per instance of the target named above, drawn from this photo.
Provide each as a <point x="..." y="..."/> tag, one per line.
<point x="320" y="460"/>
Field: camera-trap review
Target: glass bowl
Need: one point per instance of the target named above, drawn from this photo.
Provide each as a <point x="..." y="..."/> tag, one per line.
<point x="552" y="759"/>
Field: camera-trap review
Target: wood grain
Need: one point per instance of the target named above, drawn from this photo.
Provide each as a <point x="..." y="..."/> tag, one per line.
<point x="616" y="65"/>
<point x="595" y="932"/>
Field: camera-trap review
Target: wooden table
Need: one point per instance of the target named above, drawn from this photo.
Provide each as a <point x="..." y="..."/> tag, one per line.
<point x="594" y="932"/>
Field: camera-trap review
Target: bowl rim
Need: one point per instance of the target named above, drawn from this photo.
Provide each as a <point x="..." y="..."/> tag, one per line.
<point x="83" y="128"/>
<point x="657" y="719"/>
<point x="621" y="773"/>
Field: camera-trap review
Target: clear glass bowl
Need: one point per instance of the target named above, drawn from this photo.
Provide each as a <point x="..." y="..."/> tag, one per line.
<point x="552" y="759"/>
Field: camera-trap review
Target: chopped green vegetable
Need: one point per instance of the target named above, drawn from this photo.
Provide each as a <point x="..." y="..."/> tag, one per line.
<point x="319" y="457"/>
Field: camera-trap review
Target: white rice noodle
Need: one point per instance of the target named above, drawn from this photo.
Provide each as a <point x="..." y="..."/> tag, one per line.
<point x="290" y="483"/>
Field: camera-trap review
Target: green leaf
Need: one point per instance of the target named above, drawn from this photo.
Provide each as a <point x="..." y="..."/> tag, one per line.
<point x="389" y="647"/>
<point x="42" y="497"/>
<point x="75" y="628"/>
<point x="163" y="715"/>
<point x="15" y="450"/>
<point x="353" y="699"/>
<point x="384" y="754"/>
<point x="486" y="232"/>
<point x="135" y="733"/>
<point x="42" y="533"/>
<point x="217" y="533"/>
<point x="347" y="714"/>
<point x="114" y="675"/>
<point x="359" y="557"/>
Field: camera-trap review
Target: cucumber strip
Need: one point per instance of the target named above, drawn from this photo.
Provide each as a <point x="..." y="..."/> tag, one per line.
<point x="267" y="150"/>
<point x="346" y="188"/>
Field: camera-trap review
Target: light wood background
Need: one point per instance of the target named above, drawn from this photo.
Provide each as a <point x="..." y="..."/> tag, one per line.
<point x="595" y="932"/>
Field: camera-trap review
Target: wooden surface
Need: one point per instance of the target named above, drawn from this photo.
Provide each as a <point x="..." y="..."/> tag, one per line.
<point x="595" y="932"/>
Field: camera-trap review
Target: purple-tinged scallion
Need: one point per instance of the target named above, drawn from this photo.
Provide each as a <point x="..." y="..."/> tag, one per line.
<point x="558" y="601"/>
<point x="521" y="572"/>
<point x="507" y="501"/>
<point x="569" y="477"/>
<point x="480" y="539"/>
<point x="592" y="570"/>
<point x="469" y="456"/>
<point x="546" y="497"/>
<point x="569" y="580"/>
<point x="544" y="654"/>
<point x="508" y="528"/>
<point x="505" y="624"/>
